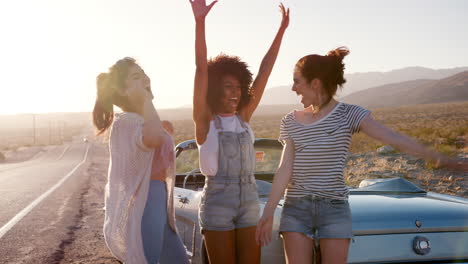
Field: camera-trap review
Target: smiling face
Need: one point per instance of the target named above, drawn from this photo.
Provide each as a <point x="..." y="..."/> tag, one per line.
<point x="229" y="81"/>
<point x="231" y="94"/>
<point x="309" y="91"/>
<point x="137" y="80"/>
<point x="138" y="85"/>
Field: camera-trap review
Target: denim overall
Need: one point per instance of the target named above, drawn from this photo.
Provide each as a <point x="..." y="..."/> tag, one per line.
<point x="230" y="198"/>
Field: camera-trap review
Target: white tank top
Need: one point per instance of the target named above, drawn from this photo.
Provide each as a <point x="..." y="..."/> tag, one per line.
<point x="209" y="149"/>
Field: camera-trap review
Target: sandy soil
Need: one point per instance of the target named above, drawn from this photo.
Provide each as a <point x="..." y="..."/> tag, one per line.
<point x="87" y="244"/>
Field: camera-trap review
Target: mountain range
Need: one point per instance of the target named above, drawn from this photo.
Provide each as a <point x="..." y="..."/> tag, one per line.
<point x="390" y="82"/>
<point x="450" y="89"/>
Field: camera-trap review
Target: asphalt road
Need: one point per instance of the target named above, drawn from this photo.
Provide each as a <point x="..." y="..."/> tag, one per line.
<point x="40" y="203"/>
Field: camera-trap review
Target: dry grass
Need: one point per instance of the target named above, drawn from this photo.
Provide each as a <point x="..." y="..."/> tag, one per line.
<point x="442" y="126"/>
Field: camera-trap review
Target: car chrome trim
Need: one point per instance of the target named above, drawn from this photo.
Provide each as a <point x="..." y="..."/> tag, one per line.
<point x="195" y="230"/>
<point x="446" y="197"/>
<point x="460" y="261"/>
<point x="410" y="231"/>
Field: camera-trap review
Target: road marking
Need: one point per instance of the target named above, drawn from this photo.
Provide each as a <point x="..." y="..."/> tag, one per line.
<point x="63" y="153"/>
<point x="4" y="229"/>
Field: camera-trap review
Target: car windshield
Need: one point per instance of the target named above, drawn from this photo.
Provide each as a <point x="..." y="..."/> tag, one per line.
<point x="267" y="160"/>
<point x="268" y="156"/>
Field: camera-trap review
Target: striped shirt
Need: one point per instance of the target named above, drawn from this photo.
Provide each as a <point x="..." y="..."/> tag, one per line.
<point x="320" y="151"/>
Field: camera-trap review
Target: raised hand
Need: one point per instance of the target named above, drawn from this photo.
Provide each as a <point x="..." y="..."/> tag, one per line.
<point x="259" y="84"/>
<point x="200" y="9"/>
<point x="167" y="125"/>
<point x="285" y="15"/>
<point x="138" y="97"/>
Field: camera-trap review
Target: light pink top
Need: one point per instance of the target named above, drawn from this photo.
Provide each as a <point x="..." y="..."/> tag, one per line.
<point x="127" y="188"/>
<point x="163" y="159"/>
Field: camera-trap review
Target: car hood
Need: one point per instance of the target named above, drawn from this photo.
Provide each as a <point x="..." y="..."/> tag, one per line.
<point x="408" y="213"/>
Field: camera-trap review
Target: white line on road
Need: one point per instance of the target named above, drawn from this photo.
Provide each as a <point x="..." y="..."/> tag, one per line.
<point x="63" y="153"/>
<point x="4" y="229"/>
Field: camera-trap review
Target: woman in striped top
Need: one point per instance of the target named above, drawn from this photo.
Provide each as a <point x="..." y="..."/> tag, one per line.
<point x="316" y="141"/>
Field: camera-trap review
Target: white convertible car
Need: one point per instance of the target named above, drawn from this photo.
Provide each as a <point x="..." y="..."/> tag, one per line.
<point x="394" y="221"/>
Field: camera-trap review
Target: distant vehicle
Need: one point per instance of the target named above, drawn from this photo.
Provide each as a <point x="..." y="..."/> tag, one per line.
<point x="85" y="140"/>
<point x="394" y="221"/>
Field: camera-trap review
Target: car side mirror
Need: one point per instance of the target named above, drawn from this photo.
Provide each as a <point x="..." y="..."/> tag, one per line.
<point x="191" y="173"/>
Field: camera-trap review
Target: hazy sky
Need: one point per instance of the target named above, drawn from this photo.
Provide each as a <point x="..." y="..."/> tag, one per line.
<point x="52" y="50"/>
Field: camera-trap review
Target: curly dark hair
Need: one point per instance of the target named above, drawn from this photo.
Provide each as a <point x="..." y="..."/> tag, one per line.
<point x="223" y="65"/>
<point x="329" y="69"/>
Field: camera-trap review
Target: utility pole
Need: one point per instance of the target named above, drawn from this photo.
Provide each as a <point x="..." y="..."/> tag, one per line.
<point x="34" y="129"/>
<point x="61" y="131"/>
<point x="50" y="132"/>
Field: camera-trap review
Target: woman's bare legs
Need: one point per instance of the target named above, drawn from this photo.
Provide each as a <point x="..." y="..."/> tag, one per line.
<point x="334" y="251"/>
<point x="247" y="249"/>
<point x="298" y="248"/>
<point x="220" y="246"/>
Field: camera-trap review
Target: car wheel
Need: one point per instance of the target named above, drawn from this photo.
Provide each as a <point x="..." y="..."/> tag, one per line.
<point x="204" y="253"/>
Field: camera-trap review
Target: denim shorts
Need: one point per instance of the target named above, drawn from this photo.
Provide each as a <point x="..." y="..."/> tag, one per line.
<point x="229" y="205"/>
<point x="317" y="217"/>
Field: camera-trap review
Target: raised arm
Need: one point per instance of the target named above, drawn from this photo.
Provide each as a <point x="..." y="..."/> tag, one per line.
<point x="406" y="144"/>
<point x="280" y="182"/>
<point x="201" y="112"/>
<point x="266" y="67"/>
<point x="153" y="132"/>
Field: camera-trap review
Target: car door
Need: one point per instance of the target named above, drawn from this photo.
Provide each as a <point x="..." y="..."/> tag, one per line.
<point x="187" y="193"/>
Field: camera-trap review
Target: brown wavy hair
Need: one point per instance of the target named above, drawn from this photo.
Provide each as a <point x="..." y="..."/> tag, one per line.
<point x="223" y="65"/>
<point x="329" y="69"/>
<point x="108" y="84"/>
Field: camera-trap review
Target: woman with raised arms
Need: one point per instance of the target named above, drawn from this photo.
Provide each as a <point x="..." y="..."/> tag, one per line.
<point x="223" y="103"/>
